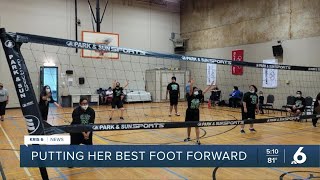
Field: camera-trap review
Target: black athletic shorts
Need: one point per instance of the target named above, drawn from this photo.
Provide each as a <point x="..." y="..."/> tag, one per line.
<point x="174" y="100"/>
<point x="77" y="138"/>
<point x="192" y="115"/>
<point x="251" y="114"/>
<point x="116" y="102"/>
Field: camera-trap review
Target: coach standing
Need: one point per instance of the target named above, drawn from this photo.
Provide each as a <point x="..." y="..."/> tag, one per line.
<point x="4" y="100"/>
<point x="174" y="91"/>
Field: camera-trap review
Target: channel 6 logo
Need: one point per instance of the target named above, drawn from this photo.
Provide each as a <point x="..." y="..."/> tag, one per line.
<point x="299" y="157"/>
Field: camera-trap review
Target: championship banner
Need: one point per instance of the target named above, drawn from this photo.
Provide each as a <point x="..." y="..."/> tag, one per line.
<point x="270" y="76"/>
<point x="170" y="156"/>
<point x="237" y="55"/>
<point x="211" y="73"/>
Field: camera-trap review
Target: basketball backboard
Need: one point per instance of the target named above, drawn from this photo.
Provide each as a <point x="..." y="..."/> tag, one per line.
<point x="110" y="39"/>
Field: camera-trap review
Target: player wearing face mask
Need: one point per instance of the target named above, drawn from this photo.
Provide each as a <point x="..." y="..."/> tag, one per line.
<point x="192" y="112"/>
<point x="45" y="100"/>
<point x="82" y="115"/>
<point x="299" y="105"/>
<point x="249" y="106"/>
<point x="117" y="98"/>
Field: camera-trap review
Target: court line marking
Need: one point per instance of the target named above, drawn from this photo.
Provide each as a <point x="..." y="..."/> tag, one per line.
<point x="21" y="130"/>
<point x="2" y="172"/>
<point x="61" y="175"/>
<point x="71" y="174"/>
<point x="15" y="152"/>
<point x="170" y="171"/>
<point x="286" y="172"/>
<point x="247" y="140"/>
<point x="276" y="169"/>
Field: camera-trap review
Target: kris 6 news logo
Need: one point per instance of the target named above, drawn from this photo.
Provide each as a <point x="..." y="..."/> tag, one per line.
<point x="299" y="157"/>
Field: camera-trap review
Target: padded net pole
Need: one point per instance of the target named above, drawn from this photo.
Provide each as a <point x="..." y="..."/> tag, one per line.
<point x="23" y="86"/>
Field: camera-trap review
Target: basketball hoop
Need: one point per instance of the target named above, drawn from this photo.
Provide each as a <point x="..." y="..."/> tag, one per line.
<point x="101" y="53"/>
<point x="106" y="42"/>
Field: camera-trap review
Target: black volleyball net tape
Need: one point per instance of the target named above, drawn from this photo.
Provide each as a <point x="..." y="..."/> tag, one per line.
<point x="166" y="125"/>
<point x="12" y="43"/>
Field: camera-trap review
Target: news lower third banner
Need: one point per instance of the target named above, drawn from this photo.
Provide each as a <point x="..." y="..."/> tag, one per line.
<point x="170" y="156"/>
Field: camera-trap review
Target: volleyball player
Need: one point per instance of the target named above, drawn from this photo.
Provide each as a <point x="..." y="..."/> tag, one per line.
<point x="316" y="110"/>
<point x="4" y="100"/>
<point x="261" y="102"/>
<point x="45" y="100"/>
<point x="192" y="112"/>
<point x="174" y="91"/>
<point x="117" y="98"/>
<point x="83" y="114"/>
<point x="249" y="107"/>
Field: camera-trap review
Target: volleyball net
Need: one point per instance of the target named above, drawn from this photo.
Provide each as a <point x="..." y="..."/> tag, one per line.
<point x="148" y="74"/>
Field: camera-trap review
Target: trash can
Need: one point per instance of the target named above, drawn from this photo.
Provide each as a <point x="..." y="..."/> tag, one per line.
<point x="66" y="101"/>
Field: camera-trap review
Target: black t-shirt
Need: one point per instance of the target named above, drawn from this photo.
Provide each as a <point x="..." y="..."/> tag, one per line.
<point x="117" y="92"/>
<point x="251" y="99"/>
<point x="193" y="102"/>
<point x="173" y="89"/>
<point x="79" y="116"/>
<point x="261" y="99"/>
<point x="45" y="103"/>
<point x="299" y="102"/>
<point x="316" y="104"/>
<point x="215" y="94"/>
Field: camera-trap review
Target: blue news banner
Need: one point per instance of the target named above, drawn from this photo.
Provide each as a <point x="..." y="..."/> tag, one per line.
<point x="170" y="156"/>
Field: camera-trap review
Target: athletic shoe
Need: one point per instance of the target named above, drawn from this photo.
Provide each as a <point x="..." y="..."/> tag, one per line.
<point x="110" y="119"/>
<point x="169" y="115"/>
<point x="198" y="142"/>
<point x="314" y="125"/>
<point x="121" y="118"/>
<point x="252" y="130"/>
<point x="242" y="131"/>
<point x="187" y="139"/>
<point x="177" y="114"/>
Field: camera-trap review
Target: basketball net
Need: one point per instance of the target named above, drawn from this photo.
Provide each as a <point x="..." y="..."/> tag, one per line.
<point x="101" y="53"/>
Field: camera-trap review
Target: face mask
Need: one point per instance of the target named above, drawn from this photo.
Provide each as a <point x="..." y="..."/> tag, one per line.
<point x="261" y="94"/>
<point x="298" y="95"/>
<point x="48" y="90"/>
<point x="85" y="107"/>
<point x="252" y="91"/>
<point x="233" y="89"/>
<point x="196" y="93"/>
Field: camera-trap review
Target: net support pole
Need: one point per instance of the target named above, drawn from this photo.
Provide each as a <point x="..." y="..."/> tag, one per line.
<point x="98" y="15"/>
<point x="76" y="20"/>
<point x="23" y="86"/>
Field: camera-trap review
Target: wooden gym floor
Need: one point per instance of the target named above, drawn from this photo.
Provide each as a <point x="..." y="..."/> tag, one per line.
<point x="13" y="129"/>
